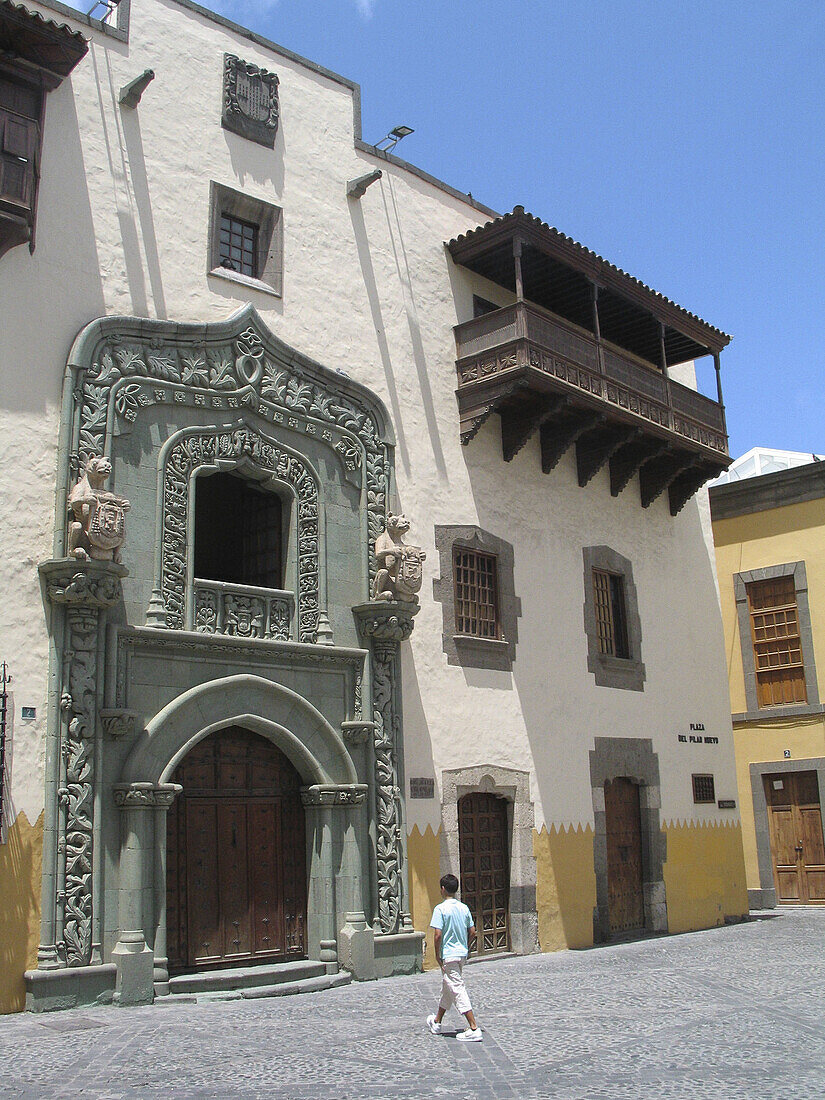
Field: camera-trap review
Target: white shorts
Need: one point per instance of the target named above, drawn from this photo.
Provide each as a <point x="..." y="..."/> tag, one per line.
<point x="452" y="987"/>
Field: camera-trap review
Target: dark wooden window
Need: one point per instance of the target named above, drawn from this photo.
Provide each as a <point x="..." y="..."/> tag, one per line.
<point x="239" y="245"/>
<point x="704" y="789"/>
<point x="21" y="107"/>
<point x="611" y="613"/>
<point x="476" y="593"/>
<point x="777" y="648"/>
<point x="238" y="532"/>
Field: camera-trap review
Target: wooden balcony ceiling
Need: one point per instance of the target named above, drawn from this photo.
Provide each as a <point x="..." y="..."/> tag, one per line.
<point x="581" y="359"/>
<point x="559" y="274"/>
<point x="53" y="48"/>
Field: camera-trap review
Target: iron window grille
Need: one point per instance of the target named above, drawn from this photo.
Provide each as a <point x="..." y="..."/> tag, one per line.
<point x="238" y="248"/>
<point x="704" y="789"/>
<point x="611" y="614"/>
<point x="476" y="594"/>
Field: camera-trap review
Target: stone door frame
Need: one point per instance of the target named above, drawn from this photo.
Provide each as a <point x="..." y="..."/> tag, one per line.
<point x="765" y="896"/>
<point x="631" y="758"/>
<point x="514" y="787"/>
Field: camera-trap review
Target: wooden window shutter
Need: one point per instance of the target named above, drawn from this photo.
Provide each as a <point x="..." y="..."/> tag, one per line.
<point x="777" y="646"/>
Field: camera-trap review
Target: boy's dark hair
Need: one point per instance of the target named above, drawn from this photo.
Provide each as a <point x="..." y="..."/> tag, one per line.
<point x="450" y="883"/>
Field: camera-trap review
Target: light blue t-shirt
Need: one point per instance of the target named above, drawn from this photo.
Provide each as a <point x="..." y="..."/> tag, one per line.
<point x="455" y="920"/>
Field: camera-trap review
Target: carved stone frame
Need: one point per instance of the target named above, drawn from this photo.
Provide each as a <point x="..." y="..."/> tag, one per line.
<point x="269" y="258"/>
<point x="467" y="651"/>
<point x="616" y="672"/>
<point x="765" y="896"/>
<point x="514" y="787"/>
<point x="632" y="758"/>
<point x="796" y="569"/>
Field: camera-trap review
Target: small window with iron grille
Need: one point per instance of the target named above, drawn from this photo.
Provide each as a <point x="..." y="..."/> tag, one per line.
<point x="704" y="789"/>
<point x="476" y="594"/>
<point x="777" y="645"/>
<point x="238" y="245"/>
<point x="611" y="614"/>
<point x="245" y="240"/>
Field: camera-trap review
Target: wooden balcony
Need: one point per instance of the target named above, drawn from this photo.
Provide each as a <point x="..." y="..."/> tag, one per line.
<point x="543" y="374"/>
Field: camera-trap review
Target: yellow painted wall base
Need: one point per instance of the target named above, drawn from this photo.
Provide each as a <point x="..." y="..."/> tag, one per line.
<point x="424" y="858"/>
<point x="20" y="863"/>
<point x="704" y="876"/>
<point x="566" y="886"/>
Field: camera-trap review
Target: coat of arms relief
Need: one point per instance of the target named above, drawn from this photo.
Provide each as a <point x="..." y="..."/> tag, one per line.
<point x="250" y="100"/>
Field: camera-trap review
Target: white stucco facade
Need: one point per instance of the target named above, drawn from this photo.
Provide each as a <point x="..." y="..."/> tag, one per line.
<point x="370" y="290"/>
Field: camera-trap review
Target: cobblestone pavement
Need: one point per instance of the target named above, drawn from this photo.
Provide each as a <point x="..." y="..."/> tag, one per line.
<point x="731" y="1013"/>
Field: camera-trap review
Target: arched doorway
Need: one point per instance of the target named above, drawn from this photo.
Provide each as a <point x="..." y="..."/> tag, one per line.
<point x="236" y="855"/>
<point x="623" y="824"/>
<point x="484" y="856"/>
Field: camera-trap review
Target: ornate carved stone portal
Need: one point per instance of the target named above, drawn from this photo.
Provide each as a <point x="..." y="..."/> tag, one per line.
<point x="398" y="565"/>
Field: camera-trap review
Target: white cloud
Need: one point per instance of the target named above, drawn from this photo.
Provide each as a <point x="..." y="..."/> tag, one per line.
<point x="365" y="7"/>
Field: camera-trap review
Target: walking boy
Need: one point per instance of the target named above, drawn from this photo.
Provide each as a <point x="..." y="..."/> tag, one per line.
<point x="453" y="924"/>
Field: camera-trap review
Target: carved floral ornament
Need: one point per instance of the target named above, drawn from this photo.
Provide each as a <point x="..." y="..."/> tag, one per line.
<point x="124" y="366"/>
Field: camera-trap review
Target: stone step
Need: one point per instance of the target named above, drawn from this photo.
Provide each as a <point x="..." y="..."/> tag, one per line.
<point x="281" y="989"/>
<point x="246" y="977"/>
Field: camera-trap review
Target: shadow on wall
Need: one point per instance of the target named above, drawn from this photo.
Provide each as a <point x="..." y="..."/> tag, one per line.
<point x="566" y="883"/>
<point x="20" y="865"/>
<point x="370" y="285"/>
<point x="65" y="260"/>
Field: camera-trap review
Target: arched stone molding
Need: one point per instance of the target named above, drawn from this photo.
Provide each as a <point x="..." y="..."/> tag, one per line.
<point x="631" y="758"/>
<point x="205" y="449"/>
<point x="514" y="786"/>
<point x="292" y="723"/>
<point x="119" y="367"/>
<point x="331" y="789"/>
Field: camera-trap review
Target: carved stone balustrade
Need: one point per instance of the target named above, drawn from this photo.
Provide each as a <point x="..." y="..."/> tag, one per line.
<point x="242" y="611"/>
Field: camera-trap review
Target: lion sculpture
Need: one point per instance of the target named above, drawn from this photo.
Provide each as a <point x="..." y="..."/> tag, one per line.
<point x="98" y="529"/>
<point x="399" y="574"/>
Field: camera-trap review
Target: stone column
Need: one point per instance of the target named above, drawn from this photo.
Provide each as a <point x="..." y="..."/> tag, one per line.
<point x="321" y="881"/>
<point x="165" y="794"/>
<point x="383" y="626"/>
<point x="131" y="955"/>
<point x="83" y="590"/>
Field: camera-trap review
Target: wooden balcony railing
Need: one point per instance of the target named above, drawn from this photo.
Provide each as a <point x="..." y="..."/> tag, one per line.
<point x="542" y="373"/>
<point x="525" y="337"/>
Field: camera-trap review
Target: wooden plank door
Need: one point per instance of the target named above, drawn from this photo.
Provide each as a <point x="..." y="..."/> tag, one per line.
<point x="236" y="855"/>
<point x="484" y="855"/>
<point x="797" y="848"/>
<point x="623" y="822"/>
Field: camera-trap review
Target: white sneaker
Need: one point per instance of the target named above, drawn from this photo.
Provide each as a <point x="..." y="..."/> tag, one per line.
<point x="433" y="1026"/>
<point x="470" y="1035"/>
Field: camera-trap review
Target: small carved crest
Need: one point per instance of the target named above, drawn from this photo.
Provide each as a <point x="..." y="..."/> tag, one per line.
<point x="250" y="100"/>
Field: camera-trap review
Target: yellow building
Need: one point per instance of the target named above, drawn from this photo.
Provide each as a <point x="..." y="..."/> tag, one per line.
<point x="770" y="553"/>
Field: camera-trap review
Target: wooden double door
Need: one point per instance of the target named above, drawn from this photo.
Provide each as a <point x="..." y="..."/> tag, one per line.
<point x="484" y="855"/>
<point x="623" y="824"/>
<point x="236" y="855"/>
<point x="797" y="849"/>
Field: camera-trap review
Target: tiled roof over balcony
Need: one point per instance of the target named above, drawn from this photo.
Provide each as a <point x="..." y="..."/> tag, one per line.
<point x="582" y="357"/>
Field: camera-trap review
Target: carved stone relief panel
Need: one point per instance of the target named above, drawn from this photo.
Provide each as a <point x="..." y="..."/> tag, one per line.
<point x="250" y="100"/>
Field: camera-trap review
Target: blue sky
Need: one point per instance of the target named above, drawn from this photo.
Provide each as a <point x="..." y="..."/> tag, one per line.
<point x="684" y="141"/>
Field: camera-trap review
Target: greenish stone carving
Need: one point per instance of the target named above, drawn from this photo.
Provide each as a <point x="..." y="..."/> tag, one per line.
<point x="84" y="589"/>
<point x="384" y="626"/>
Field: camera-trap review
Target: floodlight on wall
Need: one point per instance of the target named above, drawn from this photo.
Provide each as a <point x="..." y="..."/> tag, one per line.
<point x="393" y="138"/>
